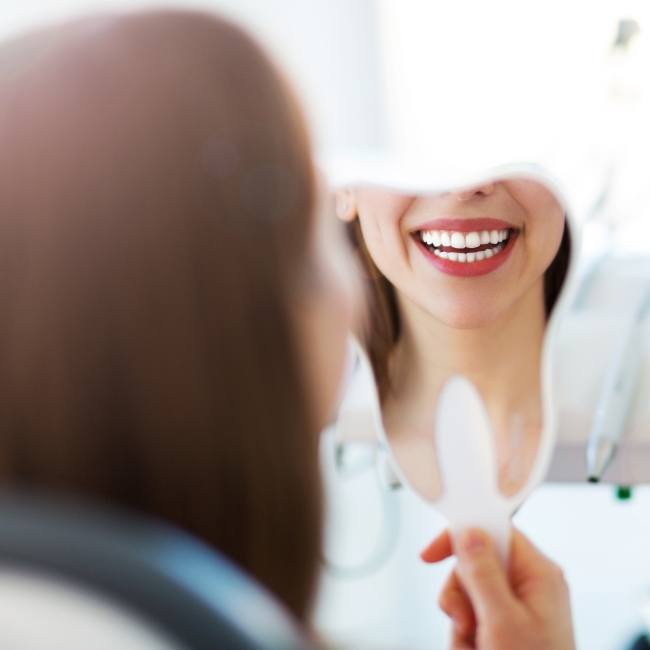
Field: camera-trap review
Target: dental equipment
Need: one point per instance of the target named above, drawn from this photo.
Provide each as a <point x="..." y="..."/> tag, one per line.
<point x="616" y="398"/>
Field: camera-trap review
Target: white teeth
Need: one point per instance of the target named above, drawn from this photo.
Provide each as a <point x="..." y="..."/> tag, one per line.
<point x="463" y="240"/>
<point x="472" y="240"/>
<point x="478" y="256"/>
<point x="458" y="240"/>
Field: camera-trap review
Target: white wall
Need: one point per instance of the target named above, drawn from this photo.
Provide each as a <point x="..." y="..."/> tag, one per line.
<point x="327" y="46"/>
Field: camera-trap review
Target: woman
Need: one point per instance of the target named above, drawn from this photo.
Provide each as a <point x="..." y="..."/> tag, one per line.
<point x="460" y="282"/>
<point x="175" y="314"/>
<point x="157" y="257"/>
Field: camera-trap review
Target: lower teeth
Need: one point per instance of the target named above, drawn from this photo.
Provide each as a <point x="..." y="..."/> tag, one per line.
<point x="468" y="257"/>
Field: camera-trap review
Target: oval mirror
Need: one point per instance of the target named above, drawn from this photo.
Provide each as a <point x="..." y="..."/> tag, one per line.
<point x="468" y="280"/>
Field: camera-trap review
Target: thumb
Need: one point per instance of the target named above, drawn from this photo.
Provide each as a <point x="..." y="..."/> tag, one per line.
<point x="483" y="576"/>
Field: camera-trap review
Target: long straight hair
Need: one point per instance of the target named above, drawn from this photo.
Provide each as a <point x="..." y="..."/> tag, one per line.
<point x="156" y="199"/>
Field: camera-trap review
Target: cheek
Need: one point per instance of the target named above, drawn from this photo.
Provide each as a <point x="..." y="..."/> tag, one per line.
<point x="330" y="324"/>
<point x="544" y="221"/>
<point x="380" y="216"/>
<point x="383" y="239"/>
<point x="373" y="233"/>
<point x="544" y="241"/>
<point x="329" y="316"/>
<point x="340" y="304"/>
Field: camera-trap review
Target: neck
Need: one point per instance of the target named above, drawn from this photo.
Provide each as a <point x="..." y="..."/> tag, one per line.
<point x="502" y="358"/>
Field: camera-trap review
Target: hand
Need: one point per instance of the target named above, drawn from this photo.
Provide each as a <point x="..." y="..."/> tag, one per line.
<point x="526" y="606"/>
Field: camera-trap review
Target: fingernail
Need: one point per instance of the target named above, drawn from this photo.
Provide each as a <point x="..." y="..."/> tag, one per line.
<point x="473" y="541"/>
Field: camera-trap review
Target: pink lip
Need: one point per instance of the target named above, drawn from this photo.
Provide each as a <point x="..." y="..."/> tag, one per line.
<point x="468" y="269"/>
<point x="466" y="225"/>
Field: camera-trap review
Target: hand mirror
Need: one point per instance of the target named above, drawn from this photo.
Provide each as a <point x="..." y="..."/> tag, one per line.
<point x="465" y="286"/>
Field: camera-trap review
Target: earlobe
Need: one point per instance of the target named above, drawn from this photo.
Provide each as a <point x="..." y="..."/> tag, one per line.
<point x="346" y="209"/>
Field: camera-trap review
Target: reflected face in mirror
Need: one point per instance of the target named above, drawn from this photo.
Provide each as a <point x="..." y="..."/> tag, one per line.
<point x="464" y="257"/>
<point x="461" y="282"/>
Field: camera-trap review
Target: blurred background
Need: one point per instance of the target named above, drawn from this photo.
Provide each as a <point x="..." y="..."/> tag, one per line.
<point x="568" y="76"/>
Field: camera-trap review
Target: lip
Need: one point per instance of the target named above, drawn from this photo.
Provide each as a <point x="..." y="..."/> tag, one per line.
<point x="466" y="225"/>
<point x="468" y="269"/>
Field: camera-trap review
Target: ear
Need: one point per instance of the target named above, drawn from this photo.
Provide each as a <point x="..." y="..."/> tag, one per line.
<point x="346" y="206"/>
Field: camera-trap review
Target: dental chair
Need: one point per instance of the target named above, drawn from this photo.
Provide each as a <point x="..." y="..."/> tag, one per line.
<point x="76" y="577"/>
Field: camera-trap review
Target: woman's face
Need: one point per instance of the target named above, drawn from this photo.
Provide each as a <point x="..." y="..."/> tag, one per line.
<point x="332" y="301"/>
<point x="465" y="257"/>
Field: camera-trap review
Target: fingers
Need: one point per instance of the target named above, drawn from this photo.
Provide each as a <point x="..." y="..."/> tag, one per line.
<point x="535" y="579"/>
<point x="439" y="549"/>
<point x="483" y="576"/>
<point x="526" y="560"/>
<point x="454" y="602"/>
<point x="461" y="642"/>
<point x="506" y="609"/>
<point x="453" y="599"/>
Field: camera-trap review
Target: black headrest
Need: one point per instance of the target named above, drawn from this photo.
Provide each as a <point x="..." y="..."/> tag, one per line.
<point x="642" y="643"/>
<point x="166" y="577"/>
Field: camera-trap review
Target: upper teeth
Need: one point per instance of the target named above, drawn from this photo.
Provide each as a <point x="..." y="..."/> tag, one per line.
<point x="463" y="240"/>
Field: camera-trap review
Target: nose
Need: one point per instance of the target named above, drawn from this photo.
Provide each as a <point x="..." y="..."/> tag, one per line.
<point x="481" y="191"/>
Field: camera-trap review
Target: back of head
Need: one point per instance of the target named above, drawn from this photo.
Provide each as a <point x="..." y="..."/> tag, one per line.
<point x="156" y="189"/>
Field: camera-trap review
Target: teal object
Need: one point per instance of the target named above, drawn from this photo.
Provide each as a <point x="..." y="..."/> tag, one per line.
<point x="624" y="492"/>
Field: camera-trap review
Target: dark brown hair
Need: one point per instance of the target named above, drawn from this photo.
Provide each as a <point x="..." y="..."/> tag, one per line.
<point x="381" y="327"/>
<point x="156" y="192"/>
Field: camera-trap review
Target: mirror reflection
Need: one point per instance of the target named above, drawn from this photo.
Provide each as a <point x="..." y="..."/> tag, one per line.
<point x="459" y="282"/>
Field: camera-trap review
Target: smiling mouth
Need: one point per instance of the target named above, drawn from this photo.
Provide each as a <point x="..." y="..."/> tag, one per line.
<point x="465" y="247"/>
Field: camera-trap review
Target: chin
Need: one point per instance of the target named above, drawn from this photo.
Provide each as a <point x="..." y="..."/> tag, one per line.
<point x="465" y="316"/>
